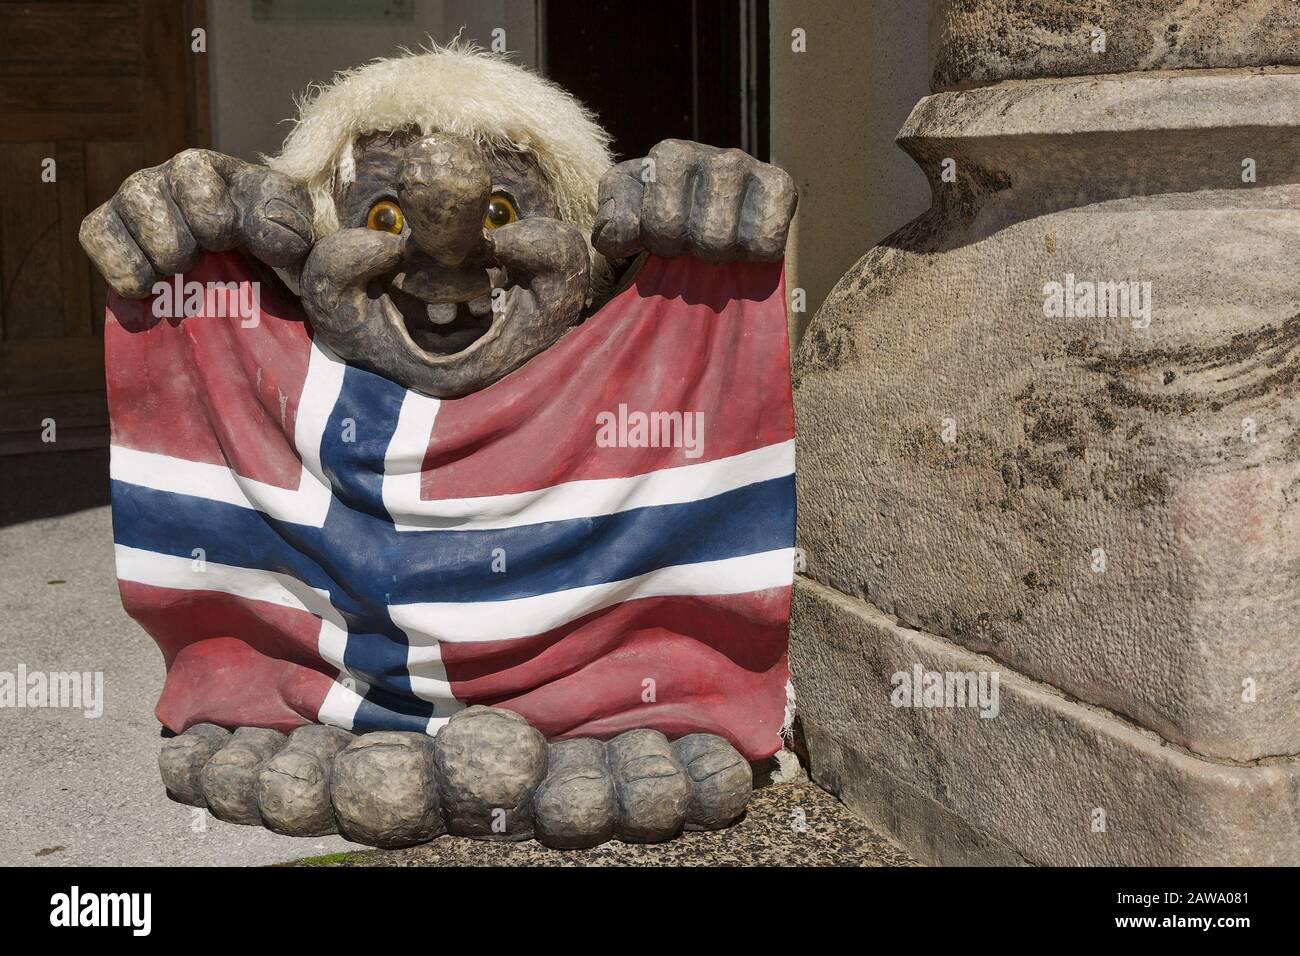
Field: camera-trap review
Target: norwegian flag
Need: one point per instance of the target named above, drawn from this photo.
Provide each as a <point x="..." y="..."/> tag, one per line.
<point x="309" y="542"/>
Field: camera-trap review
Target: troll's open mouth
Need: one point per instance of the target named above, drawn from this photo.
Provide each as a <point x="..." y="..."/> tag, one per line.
<point x="442" y="328"/>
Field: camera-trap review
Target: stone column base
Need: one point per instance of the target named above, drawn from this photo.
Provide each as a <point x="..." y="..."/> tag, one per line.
<point x="1048" y="780"/>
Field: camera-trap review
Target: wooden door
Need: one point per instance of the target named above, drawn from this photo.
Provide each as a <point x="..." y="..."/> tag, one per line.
<point x="89" y="93"/>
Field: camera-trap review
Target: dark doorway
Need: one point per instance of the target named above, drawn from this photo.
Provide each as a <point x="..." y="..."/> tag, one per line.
<point x="685" y="69"/>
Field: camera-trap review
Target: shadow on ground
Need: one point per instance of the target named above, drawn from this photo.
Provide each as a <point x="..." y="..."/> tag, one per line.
<point x="792" y="825"/>
<point x="52" y="483"/>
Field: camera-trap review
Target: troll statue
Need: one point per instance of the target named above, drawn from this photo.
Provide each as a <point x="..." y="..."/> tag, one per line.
<point x="399" y="584"/>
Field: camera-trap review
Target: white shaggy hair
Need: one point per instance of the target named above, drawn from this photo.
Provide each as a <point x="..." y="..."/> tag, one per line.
<point x="459" y="88"/>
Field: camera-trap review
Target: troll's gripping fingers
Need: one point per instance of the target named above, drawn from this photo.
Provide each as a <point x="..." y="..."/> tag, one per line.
<point x="547" y="257"/>
<point x="669" y="195"/>
<point x="336" y="274"/>
<point x="227" y="202"/>
<point x="274" y="214"/>
<point x="616" y="233"/>
<point x="145" y="205"/>
<point x="203" y="198"/>
<point x="719" y="193"/>
<point x="765" y="213"/>
<point x="719" y="205"/>
<point x="114" y="251"/>
<point x="161" y="218"/>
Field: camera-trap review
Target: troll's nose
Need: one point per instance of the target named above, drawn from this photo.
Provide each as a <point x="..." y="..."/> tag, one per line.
<point x="445" y="186"/>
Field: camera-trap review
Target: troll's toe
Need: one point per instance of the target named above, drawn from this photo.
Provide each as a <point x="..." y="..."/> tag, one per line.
<point x="653" y="790"/>
<point x="183" y="757"/>
<point x="489" y="762"/>
<point x="229" y="779"/>
<point x="721" y="781"/>
<point x="576" y="805"/>
<point x="293" y="793"/>
<point x="384" y="790"/>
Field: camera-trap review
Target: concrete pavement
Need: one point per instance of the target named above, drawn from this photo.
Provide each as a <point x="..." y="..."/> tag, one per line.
<point x="78" y="790"/>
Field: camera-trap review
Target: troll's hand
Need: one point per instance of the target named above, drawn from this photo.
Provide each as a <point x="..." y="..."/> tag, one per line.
<point x="161" y="218"/>
<point x="687" y="199"/>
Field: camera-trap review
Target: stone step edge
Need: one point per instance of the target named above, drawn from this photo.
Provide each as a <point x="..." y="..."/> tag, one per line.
<point x="1040" y="691"/>
<point x="955" y="788"/>
<point x="1120" y="76"/>
<point x="929" y="831"/>
<point x="1201" y="100"/>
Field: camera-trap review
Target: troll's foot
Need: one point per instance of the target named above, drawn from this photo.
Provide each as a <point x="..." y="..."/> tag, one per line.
<point x="488" y="775"/>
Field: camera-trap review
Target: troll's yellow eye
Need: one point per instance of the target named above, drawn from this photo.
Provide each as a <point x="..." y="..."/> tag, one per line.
<point x="500" y="212"/>
<point x="386" y="216"/>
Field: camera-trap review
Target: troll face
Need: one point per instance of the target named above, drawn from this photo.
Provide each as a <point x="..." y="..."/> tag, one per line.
<point x="450" y="267"/>
<point x="431" y="211"/>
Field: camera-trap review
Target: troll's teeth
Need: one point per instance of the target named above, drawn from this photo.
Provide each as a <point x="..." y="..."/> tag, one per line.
<point x="442" y="313"/>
